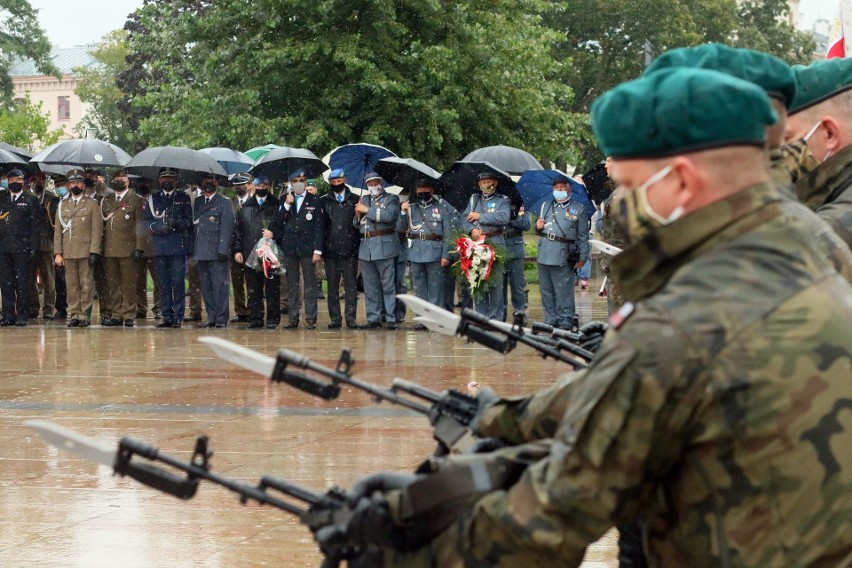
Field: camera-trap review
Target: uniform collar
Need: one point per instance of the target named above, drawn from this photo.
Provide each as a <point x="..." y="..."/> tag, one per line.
<point x="823" y="185"/>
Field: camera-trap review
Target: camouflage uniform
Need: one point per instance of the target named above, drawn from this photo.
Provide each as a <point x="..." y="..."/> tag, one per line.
<point x="717" y="410"/>
<point x="828" y="191"/>
<point x="611" y="235"/>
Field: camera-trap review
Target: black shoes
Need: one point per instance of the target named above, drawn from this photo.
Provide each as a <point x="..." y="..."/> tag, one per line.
<point x="164" y="323"/>
<point x="239" y="319"/>
<point x="311" y="325"/>
<point x="205" y="325"/>
<point x="83" y="323"/>
<point x="392" y="326"/>
<point x="334" y="325"/>
<point x="73" y="323"/>
<point x="7" y="323"/>
<point x="193" y="317"/>
<point x="290" y="325"/>
<point x="129" y="323"/>
<point x="21" y="323"/>
<point x="370" y="325"/>
<point x="255" y="324"/>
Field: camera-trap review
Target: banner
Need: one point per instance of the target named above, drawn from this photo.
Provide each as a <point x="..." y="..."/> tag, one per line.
<point x="836" y="35"/>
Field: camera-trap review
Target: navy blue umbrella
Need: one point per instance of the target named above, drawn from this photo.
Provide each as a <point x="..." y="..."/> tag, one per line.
<point x="357" y="160"/>
<point x="536" y="187"/>
<point x="234" y="162"/>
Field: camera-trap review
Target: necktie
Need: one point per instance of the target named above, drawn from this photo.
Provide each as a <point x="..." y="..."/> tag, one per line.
<point x="260" y="201"/>
<point x="298" y="203"/>
<point x="340" y="198"/>
<point x="206" y="200"/>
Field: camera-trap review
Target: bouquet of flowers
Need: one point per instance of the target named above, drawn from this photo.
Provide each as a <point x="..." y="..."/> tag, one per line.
<point x="476" y="261"/>
<point x="266" y="256"/>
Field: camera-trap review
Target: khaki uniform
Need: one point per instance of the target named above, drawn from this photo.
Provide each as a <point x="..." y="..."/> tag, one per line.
<point x="716" y="411"/>
<point x="123" y="234"/>
<point x="78" y="233"/>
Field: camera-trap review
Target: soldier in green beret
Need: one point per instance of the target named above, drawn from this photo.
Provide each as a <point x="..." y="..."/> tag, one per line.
<point x="717" y="409"/>
<point x="819" y="137"/>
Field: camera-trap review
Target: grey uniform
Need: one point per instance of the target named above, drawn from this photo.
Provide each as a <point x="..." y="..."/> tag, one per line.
<point x="214" y="227"/>
<point x="495" y="213"/>
<point x="563" y="242"/>
<point x="515" y="253"/>
<point x="430" y="226"/>
<point x="377" y="252"/>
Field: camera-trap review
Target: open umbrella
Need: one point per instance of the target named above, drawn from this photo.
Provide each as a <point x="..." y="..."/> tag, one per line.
<point x="8" y="158"/>
<point x="405" y="172"/>
<point x="357" y="160"/>
<point x="462" y="181"/>
<point x="188" y="163"/>
<point x="509" y="159"/>
<point x="83" y="152"/>
<point x="258" y="152"/>
<point x="25" y="154"/>
<point x="536" y="188"/>
<point x="234" y="162"/>
<point x="598" y="184"/>
<point x="281" y="162"/>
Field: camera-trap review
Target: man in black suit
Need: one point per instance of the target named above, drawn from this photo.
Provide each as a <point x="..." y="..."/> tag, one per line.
<point x="19" y="235"/>
<point x="340" y="253"/>
<point x="299" y="232"/>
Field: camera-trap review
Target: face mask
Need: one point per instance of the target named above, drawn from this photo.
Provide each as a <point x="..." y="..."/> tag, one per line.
<point x="298" y="187"/>
<point x="16" y="186"/>
<point x="241" y="190"/>
<point x="375" y="190"/>
<point x="119" y="185"/>
<point x="799" y="161"/>
<point x="632" y="212"/>
<point x="38" y="188"/>
<point x="261" y="192"/>
<point x="209" y="187"/>
<point x="4" y="184"/>
<point x="89" y="182"/>
<point x="167" y="186"/>
<point x="487" y="188"/>
<point x="76" y="190"/>
<point x="338" y="188"/>
<point x="560" y="195"/>
<point x="424" y="195"/>
<point x="61" y="191"/>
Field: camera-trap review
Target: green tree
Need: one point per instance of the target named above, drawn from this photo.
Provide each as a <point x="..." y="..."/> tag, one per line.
<point x="21" y="38"/>
<point x="27" y="125"/>
<point x="97" y="88"/>
<point x="432" y="79"/>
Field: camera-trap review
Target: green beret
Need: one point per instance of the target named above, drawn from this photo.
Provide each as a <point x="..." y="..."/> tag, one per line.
<point x="766" y="71"/>
<point x="680" y="110"/>
<point x="820" y="81"/>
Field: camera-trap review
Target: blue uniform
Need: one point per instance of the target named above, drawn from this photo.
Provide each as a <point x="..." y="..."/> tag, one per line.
<point x="495" y="213"/>
<point x="169" y="217"/>
<point x="213" y="219"/>
<point x="514" y="275"/>
<point x="377" y="252"/>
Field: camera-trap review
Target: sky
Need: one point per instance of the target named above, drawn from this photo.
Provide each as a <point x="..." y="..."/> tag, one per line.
<point x="69" y="23"/>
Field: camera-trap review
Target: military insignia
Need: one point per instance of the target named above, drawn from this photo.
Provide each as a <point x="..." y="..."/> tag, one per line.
<point x="127" y="216"/>
<point x="211" y="219"/>
<point x="619" y="317"/>
<point x="309" y="217"/>
<point x="492" y="205"/>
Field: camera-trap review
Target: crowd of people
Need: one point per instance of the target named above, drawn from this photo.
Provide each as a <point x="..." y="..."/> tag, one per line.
<point x="67" y="240"/>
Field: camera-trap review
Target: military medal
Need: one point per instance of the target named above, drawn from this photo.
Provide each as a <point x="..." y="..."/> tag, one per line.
<point x="211" y="219"/>
<point x="309" y="217"/>
<point x="127" y="216"/>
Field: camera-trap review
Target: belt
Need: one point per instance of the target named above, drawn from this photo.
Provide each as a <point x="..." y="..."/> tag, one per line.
<point x="383" y="232"/>
<point x="552" y="237"/>
<point x="512" y="234"/>
<point x="496" y="233"/>
<point x="424" y="237"/>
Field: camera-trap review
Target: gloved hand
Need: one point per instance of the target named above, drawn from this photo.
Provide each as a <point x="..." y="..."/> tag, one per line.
<point x="138" y="254"/>
<point x="171" y="222"/>
<point x="93" y="258"/>
<point x="224" y="257"/>
<point x="378" y="482"/>
<point x="485" y="399"/>
<point x="592" y="335"/>
<point x="372" y="524"/>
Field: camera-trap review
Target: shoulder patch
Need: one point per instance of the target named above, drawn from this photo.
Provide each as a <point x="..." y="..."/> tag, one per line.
<point x="618" y="318"/>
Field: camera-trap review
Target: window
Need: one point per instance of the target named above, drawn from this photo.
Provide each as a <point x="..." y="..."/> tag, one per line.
<point x="64" y="108"/>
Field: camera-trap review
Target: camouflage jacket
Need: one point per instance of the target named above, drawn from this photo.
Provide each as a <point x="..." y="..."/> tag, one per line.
<point x="828" y="191"/>
<point x="717" y="410"/>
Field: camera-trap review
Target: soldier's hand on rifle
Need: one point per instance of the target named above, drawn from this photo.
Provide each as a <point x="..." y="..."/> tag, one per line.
<point x="592" y="335"/>
<point x="378" y="483"/>
<point x="486" y="398"/>
<point x="373" y="524"/>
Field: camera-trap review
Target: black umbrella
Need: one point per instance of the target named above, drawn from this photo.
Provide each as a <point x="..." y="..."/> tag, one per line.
<point x="188" y="163"/>
<point x="25" y="154"/>
<point x="83" y="152"/>
<point x="511" y="160"/>
<point x="462" y="181"/>
<point x="279" y="163"/>
<point x="405" y="172"/>
<point x="8" y="158"/>
<point x="598" y="184"/>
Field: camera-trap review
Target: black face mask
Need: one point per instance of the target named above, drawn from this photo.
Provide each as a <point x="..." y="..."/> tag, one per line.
<point x="167" y="186"/>
<point x="38" y="188"/>
<point x="261" y="192"/>
<point x="424" y="195"/>
<point x="143" y="189"/>
<point x="76" y="190"/>
<point x="338" y="188"/>
<point x="209" y="187"/>
<point x="89" y="182"/>
<point x="241" y="190"/>
<point x="119" y="185"/>
<point x="16" y="187"/>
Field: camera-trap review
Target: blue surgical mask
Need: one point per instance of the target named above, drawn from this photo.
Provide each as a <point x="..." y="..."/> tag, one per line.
<point x="4" y="183"/>
<point x="61" y="191"/>
<point x="560" y="195"/>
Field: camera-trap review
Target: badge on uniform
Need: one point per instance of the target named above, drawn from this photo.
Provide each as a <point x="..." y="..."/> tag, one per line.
<point x="127" y="216"/>
<point x="618" y="318"/>
<point x="492" y="205"/>
<point x="571" y="213"/>
<point x="211" y="219"/>
<point x="308" y="217"/>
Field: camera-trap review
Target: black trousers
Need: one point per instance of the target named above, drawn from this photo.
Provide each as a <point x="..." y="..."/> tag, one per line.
<point x="630" y="551"/>
<point x="15" y="275"/>
<point x="260" y="287"/>
<point x="335" y="269"/>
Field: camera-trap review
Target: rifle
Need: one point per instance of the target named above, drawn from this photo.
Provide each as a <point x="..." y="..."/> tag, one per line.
<point x="450" y="412"/>
<point x="316" y="510"/>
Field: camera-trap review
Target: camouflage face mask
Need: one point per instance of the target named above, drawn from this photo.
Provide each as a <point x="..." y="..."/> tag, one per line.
<point x="798" y="159"/>
<point x="632" y="211"/>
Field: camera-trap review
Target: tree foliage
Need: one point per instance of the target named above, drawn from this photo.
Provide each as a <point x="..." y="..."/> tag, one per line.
<point x="27" y="125"/>
<point x="21" y="37"/>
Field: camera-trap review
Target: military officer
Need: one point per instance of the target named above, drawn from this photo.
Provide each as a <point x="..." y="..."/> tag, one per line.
<point x="430" y="223"/>
<point x="168" y="216"/>
<point x="77" y="240"/>
<point x="19" y="241"/>
<point x="819" y="131"/>
<point x="513" y="276"/>
<point x="43" y="267"/>
<point x="61" y="189"/>
<point x="487" y="214"/>
<point x="142" y="188"/>
<point x="298" y="230"/>
<point x="239" y="272"/>
<point x="96" y="188"/>
<point x="563" y="245"/>
<point x="123" y="248"/>
<point x="686" y="413"/>
<point x="213" y="217"/>
<point x="340" y="249"/>
<point x="376" y="215"/>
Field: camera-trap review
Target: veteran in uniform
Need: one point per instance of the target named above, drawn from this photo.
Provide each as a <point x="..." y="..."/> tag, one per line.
<point x="715" y="411"/>
<point x="123" y="248"/>
<point x="77" y="240"/>
<point x="376" y="216"/>
<point x="819" y="133"/>
<point x="487" y="215"/>
<point x="213" y="218"/>
<point x="19" y="241"/>
<point x="563" y="245"/>
<point x="43" y="267"/>
<point x="513" y="277"/>
<point x="429" y="222"/>
<point x="340" y="249"/>
<point x="239" y="272"/>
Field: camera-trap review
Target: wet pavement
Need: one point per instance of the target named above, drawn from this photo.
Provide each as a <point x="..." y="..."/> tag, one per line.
<point x="166" y="388"/>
